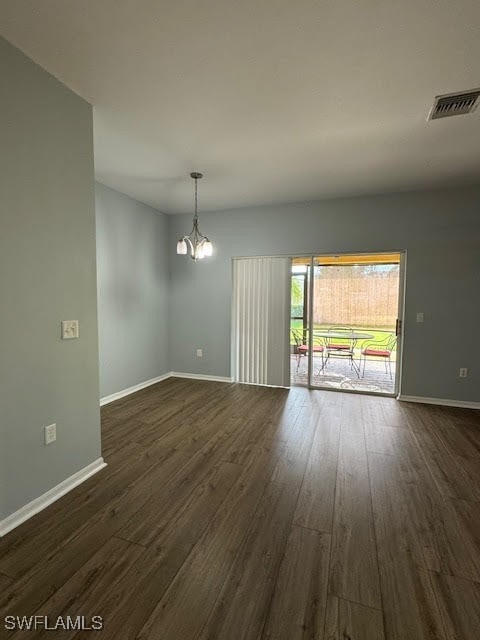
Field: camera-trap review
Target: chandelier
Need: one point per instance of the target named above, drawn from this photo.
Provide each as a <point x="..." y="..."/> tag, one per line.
<point x="195" y="244"/>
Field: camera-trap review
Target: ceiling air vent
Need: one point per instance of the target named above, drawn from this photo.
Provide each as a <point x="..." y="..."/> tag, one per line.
<point x="454" y="104"/>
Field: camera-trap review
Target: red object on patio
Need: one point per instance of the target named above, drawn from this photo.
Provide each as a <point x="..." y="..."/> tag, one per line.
<point x="333" y="345"/>
<point x="303" y="348"/>
<point x="376" y="352"/>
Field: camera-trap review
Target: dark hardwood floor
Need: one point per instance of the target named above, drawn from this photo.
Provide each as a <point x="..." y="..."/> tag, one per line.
<point x="235" y="512"/>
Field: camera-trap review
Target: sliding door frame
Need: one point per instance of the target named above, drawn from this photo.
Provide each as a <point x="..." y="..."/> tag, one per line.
<point x="400" y="317"/>
<point x="400" y="314"/>
<point x="311" y="281"/>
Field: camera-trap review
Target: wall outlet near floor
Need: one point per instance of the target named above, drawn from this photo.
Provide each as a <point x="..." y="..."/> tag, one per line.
<point x="199" y="353"/>
<point x="50" y="433"/>
<point x="463" y="373"/>
<point x="69" y="329"/>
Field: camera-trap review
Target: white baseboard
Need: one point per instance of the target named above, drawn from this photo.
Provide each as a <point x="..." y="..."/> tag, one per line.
<point x="43" y="501"/>
<point x="137" y="387"/>
<point x="171" y="374"/>
<point x="199" y="376"/>
<point x="440" y="401"/>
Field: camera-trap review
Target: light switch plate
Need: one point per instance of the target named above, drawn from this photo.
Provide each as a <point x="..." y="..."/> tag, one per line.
<point x="420" y="316"/>
<point x="199" y="353"/>
<point x="50" y="433"/>
<point x="69" y="329"/>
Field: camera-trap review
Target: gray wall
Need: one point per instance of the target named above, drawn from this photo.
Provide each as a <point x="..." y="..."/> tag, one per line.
<point x="440" y="231"/>
<point x="132" y="265"/>
<point x="47" y="274"/>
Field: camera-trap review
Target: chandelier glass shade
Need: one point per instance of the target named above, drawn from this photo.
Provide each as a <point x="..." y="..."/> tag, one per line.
<point x="195" y="243"/>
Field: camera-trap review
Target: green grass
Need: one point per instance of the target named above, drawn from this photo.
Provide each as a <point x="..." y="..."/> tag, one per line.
<point x="378" y="334"/>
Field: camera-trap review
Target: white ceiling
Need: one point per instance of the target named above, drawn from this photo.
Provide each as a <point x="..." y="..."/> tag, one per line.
<point x="274" y="100"/>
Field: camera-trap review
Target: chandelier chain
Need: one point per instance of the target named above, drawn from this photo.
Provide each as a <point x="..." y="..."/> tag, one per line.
<point x="196" y="199"/>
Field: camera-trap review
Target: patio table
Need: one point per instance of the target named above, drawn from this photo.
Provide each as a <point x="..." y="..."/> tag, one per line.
<point x="349" y="335"/>
<point x="353" y="336"/>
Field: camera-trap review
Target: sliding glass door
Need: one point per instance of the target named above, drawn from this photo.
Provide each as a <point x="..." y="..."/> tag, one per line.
<point x="346" y="328"/>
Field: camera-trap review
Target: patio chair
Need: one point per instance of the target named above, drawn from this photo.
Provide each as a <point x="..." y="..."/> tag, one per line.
<point x="302" y="348"/>
<point x="339" y="344"/>
<point x="341" y="347"/>
<point x="380" y="349"/>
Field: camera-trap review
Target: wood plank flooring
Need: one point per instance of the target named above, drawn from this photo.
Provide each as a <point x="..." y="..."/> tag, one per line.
<point x="233" y="512"/>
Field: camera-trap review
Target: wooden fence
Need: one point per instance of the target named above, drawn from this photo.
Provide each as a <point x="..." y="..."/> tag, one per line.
<point x="348" y="296"/>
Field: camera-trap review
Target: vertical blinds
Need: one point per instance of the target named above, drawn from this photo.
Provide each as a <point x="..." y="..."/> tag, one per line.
<point x="261" y="312"/>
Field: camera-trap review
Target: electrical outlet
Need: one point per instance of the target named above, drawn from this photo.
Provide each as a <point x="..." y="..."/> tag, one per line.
<point x="50" y="433"/>
<point x="420" y="316"/>
<point x="199" y="353"/>
<point x="69" y="329"/>
<point x="463" y="373"/>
